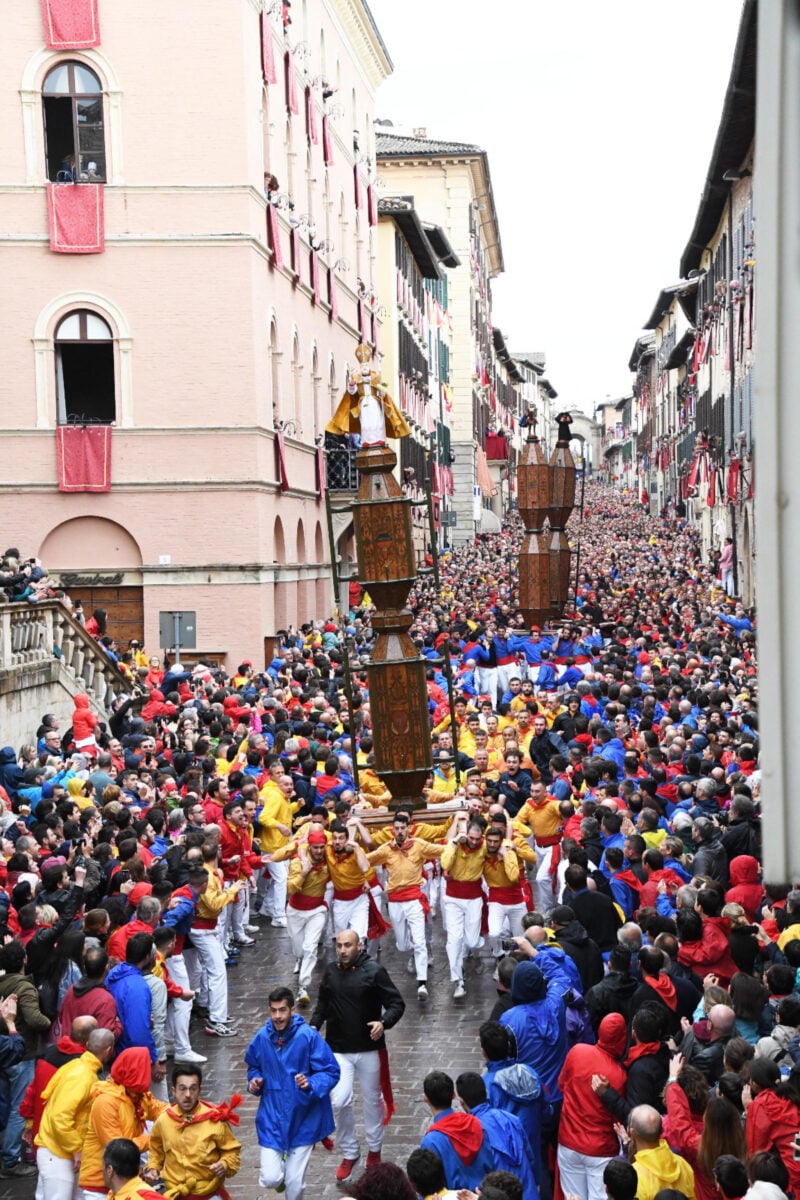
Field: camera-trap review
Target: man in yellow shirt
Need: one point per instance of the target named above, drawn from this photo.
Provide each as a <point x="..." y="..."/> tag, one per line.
<point x="274" y="825"/>
<point x="443" y="784"/>
<point x="404" y="857"/>
<point x="192" y="1147"/>
<point x="501" y="871"/>
<point x="543" y="815"/>
<point x="307" y="912"/>
<point x="348" y="869"/>
<point x="655" y="1164"/>
<point x="68" y="1101"/>
<point x="462" y="862"/>
<point x="207" y="963"/>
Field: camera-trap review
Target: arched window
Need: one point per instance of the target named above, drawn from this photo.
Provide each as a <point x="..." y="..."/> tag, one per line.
<point x="297" y="384"/>
<point x="84" y="354"/>
<point x="316" y="380"/>
<point x="72" y="104"/>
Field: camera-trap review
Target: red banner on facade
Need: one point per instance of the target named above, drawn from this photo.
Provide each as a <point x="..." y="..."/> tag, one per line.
<point x="280" y="455"/>
<point x="268" y="69"/>
<point x="292" y="101"/>
<point x="83" y="453"/>
<point x="75" y="216"/>
<point x="332" y="300"/>
<point x="311" y="116"/>
<point x="71" y="24"/>
<point x="327" y="144"/>
<point x="274" y="235"/>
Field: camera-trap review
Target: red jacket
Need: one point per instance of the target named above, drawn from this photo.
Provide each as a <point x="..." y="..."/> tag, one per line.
<point x="92" y="999"/>
<point x="772" y="1124"/>
<point x="118" y="942"/>
<point x="32" y="1105"/>
<point x="236" y="841"/>
<point x="683" y="1130"/>
<point x="649" y="891"/>
<point x="586" y="1124"/>
<point x="745" y="888"/>
<point x="712" y="952"/>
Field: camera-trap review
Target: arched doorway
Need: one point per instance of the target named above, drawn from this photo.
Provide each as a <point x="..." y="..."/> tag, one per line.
<point x="99" y="562"/>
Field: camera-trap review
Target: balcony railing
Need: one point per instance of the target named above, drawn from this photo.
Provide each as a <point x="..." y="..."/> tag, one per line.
<point x="342" y="475"/>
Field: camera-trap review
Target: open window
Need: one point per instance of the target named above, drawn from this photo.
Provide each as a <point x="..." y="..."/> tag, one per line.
<point x="84" y="352"/>
<point x="72" y="103"/>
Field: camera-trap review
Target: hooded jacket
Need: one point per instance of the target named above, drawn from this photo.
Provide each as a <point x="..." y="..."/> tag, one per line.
<point x="157" y="707"/>
<point x="684" y="1133"/>
<point x="134" y="1004"/>
<point x="515" y="1088"/>
<point x="459" y="1140"/>
<point x="710" y="859"/>
<point x="660" y="1168"/>
<point x="12" y="776"/>
<point x="584" y="952"/>
<point x="84" y="721"/>
<point x="120" y="1107"/>
<point x="510" y="1145"/>
<point x="90" y="998"/>
<point x="613" y="994"/>
<point x="586" y="1125"/>
<point x="647" y="1074"/>
<point x="772" y="1124"/>
<point x="538" y="1021"/>
<point x="67" y="1099"/>
<point x="32" y="1105"/>
<point x="289" y="1116"/>
<point x="745" y="886"/>
<point x="712" y="953"/>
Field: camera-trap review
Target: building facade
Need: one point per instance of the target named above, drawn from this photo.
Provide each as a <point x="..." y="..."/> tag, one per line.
<point x="186" y="304"/>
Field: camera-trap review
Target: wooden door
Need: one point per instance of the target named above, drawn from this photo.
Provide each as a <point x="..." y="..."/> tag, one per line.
<point x="125" y="608"/>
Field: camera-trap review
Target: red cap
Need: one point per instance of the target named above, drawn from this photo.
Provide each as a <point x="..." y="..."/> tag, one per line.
<point x="317" y="838"/>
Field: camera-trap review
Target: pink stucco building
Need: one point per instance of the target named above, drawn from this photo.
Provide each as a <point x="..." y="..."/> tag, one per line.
<point x="201" y="332"/>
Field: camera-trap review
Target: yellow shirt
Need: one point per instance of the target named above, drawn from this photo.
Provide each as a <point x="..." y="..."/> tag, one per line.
<point x="276" y="810"/>
<point x="212" y="901"/>
<point x="405" y="863"/>
<point x="462" y="863"/>
<point x="68" y="1097"/>
<point x="313" y="884"/>
<point x="113" y="1115"/>
<point x="344" y="871"/>
<point x="424" y="830"/>
<point x="544" y="819"/>
<point x="373" y="788"/>
<point x="183" y="1153"/>
<point x="790" y="934"/>
<point x="501" y="872"/>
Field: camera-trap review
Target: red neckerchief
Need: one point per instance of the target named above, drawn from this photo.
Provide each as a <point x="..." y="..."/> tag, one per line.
<point x="215" y="1112"/>
<point x="640" y="1050"/>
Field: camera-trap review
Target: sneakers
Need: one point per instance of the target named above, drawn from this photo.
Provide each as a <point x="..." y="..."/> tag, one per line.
<point x="278" y="922"/>
<point x="345" y="1169"/>
<point x="251" y="928"/>
<point x="231" y="961"/>
<point x="411" y="965"/>
<point x="296" y="967"/>
<point x="17" y="1170"/>
<point x="245" y="941"/>
<point x="304" y="998"/>
<point x="373" y="1158"/>
<point x="422" y="992"/>
<point x="190" y="1056"/>
<point x="218" y="1030"/>
<point x="460" y="991"/>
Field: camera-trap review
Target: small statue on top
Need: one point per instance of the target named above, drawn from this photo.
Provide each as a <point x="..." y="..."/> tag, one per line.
<point x="366" y="408"/>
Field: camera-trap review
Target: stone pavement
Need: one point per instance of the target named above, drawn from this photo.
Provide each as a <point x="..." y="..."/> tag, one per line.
<point x="438" y="1035"/>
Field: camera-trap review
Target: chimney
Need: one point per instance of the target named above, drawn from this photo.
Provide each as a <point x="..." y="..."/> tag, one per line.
<point x="420" y="132"/>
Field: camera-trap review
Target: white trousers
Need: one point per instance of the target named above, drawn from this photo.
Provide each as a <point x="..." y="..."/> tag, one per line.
<point x="179" y="1012"/>
<point x="505" y="920"/>
<point x="487" y="682"/>
<point x="463" y="923"/>
<point x="544" y="898"/>
<point x="727" y="580"/>
<point x="351" y="914"/>
<point x="306" y="926"/>
<point x="581" y="1175"/>
<point x="366" y="1068"/>
<point x="274" y="1169"/>
<point x="58" y="1176"/>
<point x="211" y="958"/>
<point x="231" y="920"/>
<point x="272" y="888"/>
<point x="408" y="922"/>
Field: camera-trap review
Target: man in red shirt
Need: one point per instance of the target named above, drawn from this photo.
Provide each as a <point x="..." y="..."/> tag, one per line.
<point x="238" y="862"/>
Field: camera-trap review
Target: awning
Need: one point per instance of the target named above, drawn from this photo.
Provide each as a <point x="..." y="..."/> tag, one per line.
<point x="490" y="523"/>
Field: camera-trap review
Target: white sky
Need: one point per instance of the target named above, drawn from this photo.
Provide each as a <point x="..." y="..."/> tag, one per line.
<point x="599" y="120"/>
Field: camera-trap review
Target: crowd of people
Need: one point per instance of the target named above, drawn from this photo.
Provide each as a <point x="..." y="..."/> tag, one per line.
<point x="592" y="831"/>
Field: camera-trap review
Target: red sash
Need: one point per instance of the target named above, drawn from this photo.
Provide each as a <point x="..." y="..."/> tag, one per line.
<point x="376" y="926"/>
<point x="412" y="892"/>
<point x="506" y="894"/>
<point x="305" y="903"/>
<point x="464" y="889"/>
<point x="347" y="893"/>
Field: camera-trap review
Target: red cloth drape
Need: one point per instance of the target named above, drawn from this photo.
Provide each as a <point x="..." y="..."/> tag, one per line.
<point x="313" y="259"/>
<point x="268" y="69"/>
<point x="280" y="454"/>
<point x="327" y="144"/>
<point x="292" y="101"/>
<point x="711" y="498"/>
<point x="311" y="116"/>
<point x="75" y="216"/>
<point x="359" y="195"/>
<point x="70" y="24"/>
<point x="84" y="458"/>
<point x="274" y="235"/>
<point x="372" y="205"/>
<point x="332" y="300"/>
<point x="294" y="242"/>
<point x="733" y="482"/>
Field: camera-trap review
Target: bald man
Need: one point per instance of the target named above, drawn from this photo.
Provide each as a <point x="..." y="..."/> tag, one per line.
<point x="655" y="1165"/>
<point x="708" y="1056"/>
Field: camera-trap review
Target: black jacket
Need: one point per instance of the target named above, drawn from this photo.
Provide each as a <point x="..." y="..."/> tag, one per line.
<point x="575" y="941"/>
<point x="685" y="996"/>
<point x="706" y="1056"/>
<point x="598" y="915"/>
<point x="612" y="994"/>
<point x="351" y="997"/>
<point x="646" y="1079"/>
<point x="742" y="837"/>
<point x="712" y="860"/>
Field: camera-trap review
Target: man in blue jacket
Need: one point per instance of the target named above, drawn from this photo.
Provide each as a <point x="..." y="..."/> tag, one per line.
<point x="510" y="1145"/>
<point x="458" y="1138"/>
<point x="293" y="1069"/>
<point x="539" y="1024"/>
<point x="132" y="996"/>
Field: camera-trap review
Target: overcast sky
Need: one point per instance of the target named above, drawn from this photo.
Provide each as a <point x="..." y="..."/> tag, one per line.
<point x="599" y="121"/>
